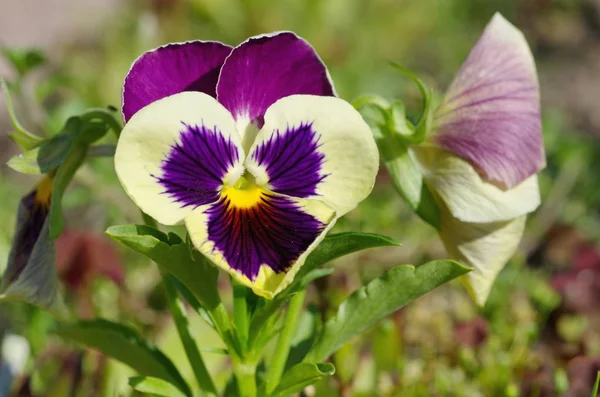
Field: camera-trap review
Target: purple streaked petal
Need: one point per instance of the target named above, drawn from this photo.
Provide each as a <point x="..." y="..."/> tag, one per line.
<point x="194" y="169"/>
<point x="490" y="115"/>
<point x="291" y="160"/>
<point x="173" y="154"/>
<point x="266" y="68"/>
<point x="171" y="69"/>
<point x="315" y="146"/>
<point x="274" y="233"/>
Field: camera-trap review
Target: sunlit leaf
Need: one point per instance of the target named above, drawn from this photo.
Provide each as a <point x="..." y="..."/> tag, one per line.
<point x="196" y="273"/>
<point x="44" y="158"/>
<point x="332" y="247"/>
<point x="126" y="345"/>
<point x="154" y="386"/>
<point x="379" y="298"/>
<point x="301" y="376"/>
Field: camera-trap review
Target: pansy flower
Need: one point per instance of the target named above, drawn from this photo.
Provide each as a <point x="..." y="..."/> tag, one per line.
<point x="30" y="275"/>
<point x="249" y="147"/>
<point x="484" y="152"/>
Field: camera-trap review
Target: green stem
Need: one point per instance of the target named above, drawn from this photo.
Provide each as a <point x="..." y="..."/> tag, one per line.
<point x="245" y="374"/>
<point x="179" y="317"/>
<point x="240" y="310"/>
<point x="222" y="324"/>
<point x="285" y="338"/>
<point x="189" y="344"/>
<point x="105" y="116"/>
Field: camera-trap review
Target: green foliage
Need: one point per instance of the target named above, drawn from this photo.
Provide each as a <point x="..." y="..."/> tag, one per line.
<point x="25" y="139"/>
<point x="64" y="174"/>
<point x="154" y="386"/>
<point x="189" y="267"/>
<point x="332" y="247"/>
<point x="381" y="297"/>
<point x="301" y="376"/>
<point x="24" y="60"/>
<point x="126" y="345"/>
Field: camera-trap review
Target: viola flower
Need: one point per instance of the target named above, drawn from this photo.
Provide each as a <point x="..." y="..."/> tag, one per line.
<point x="30" y="275"/>
<point x="248" y="146"/>
<point x="481" y="160"/>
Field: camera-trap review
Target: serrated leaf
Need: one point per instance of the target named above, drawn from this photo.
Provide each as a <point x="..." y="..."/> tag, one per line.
<point x="379" y="298"/>
<point x="190" y="268"/>
<point x="154" y="386"/>
<point x="333" y="246"/>
<point x="337" y="245"/>
<point x="301" y="376"/>
<point x="126" y="345"/>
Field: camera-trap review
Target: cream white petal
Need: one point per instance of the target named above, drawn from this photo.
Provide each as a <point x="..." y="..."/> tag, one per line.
<point x="468" y="196"/>
<point x="486" y="247"/>
<point x="174" y="154"/>
<point x="314" y="146"/>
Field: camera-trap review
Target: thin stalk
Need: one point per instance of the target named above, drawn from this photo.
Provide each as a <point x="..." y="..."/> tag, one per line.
<point x="245" y="374"/>
<point x="181" y="323"/>
<point x="285" y="338"/>
<point x="240" y="311"/>
<point x="104" y="115"/>
<point x="189" y="344"/>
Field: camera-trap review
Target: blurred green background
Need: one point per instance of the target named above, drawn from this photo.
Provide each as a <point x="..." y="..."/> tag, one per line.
<point x="539" y="334"/>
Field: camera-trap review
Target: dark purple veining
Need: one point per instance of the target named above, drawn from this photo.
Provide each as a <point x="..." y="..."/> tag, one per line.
<point x="193" y="170"/>
<point x="292" y="160"/>
<point x="275" y="232"/>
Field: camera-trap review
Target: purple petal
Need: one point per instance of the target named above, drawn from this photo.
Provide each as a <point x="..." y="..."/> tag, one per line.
<point x="193" y="171"/>
<point x="292" y="161"/>
<point x="490" y="115"/>
<point x="171" y="69"/>
<point x="266" y="68"/>
<point x="274" y="232"/>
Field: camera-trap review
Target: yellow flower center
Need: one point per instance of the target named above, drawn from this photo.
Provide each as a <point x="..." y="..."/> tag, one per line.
<point x="244" y="194"/>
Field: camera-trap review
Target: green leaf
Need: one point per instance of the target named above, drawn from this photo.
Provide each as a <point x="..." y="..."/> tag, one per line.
<point x="596" y="385"/>
<point x="190" y="268"/>
<point x="332" y="247"/>
<point x="301" y="376"/>
<point x="407" y="178"/>
<point x="424" y="125"/>
<point x="154" y="386"/>
<point x="24" y="61"/>
<point x="44" y="158"/>
<point x="63" y="177"/>
<point x="337" y="245"/>
<point x="126" y="345"/>
<point x="379" y="298"/>
<point x="25" y="139"/>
